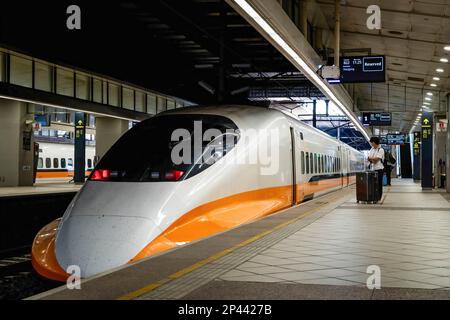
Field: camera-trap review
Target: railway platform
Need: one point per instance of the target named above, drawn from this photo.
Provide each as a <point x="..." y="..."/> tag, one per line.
<point x="40" y="188"/>
<point x="321" y="249"/>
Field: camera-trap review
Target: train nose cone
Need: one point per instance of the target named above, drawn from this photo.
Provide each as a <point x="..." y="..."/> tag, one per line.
<point x="100" y="243"/>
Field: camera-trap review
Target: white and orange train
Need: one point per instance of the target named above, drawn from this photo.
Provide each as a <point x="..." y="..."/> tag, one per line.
<point x="137" y="202"/>
<point x="55" y="162"/>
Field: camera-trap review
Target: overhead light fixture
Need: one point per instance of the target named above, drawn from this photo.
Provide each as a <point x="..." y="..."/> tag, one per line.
<point x="436" y="78"/>
<point x="429" y="93"/>
<point x="445" y="60"/>
<point x="440" y="70"/>
<point x="305" y="68"/>
<point x="447" y="48"/>
<point x="427" y="103"/>
<point x="433" y="85"/>
<point x="428" y="99"/>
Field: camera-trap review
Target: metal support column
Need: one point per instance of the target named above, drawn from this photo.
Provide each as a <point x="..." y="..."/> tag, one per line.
<point x="337" y="31"/>
<point x="80" y="147"/>
<point x="314" y="119"/>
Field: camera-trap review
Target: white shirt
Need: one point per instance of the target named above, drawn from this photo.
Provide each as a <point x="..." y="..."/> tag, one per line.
<point x="379" y="153"/>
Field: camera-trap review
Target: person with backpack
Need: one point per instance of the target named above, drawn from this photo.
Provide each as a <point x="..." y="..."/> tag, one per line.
<point x="389" y="162"/>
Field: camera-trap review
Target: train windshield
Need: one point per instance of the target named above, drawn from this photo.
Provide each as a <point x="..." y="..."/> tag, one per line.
<point x="168" y="148"/>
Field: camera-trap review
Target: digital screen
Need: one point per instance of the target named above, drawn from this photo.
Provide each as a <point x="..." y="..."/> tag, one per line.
<point x="376" y="118"/>
<point x="396" y="139"/>
<point x="363" y="69"/>
<point x="43" y="119"/>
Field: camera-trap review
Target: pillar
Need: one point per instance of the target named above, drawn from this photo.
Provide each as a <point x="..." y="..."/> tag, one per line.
<point x="447" y="160"/>
<point x="80" y="147"/>
<point x="16" y="143"/>
<point x="107" y="131"/>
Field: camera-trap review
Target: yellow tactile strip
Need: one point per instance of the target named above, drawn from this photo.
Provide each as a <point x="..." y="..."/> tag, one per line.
<point x="188" y="279"/>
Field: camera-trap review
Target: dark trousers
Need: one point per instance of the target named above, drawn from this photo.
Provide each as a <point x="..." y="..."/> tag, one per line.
<point x="388" y="170"/>
<point x="380" y="183"/>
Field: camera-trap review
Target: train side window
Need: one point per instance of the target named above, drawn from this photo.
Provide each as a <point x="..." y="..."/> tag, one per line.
<point x="70" y="162"/>
<point x="63" y="163"/>
<point x="89" y="163"/>
<point x="55" y="163"/>
<point x="316" y="167"/>
<point x="318" y="163"/>
<point x="326" y="164"/>
<point x="40" y="163"/>
<point x="48" y="162"/>
<point x="307" y="162"/>
<point x="302" y="157"/>
<point x="323" y="164"/>
<point x="301" y="135"/>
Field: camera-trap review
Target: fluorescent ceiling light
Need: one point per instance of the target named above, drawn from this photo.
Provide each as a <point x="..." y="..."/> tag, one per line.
<point x="447" y="48"/>
<point x="436" y="78"/>
<point x="439" y="70"/>
<point x="428" y="99"/>
<point x="427" y="103"/>
<point x="433" y="85"/>
<point x="445" y="60"/>
<point x="429" y="93"/>
<point x="303" y="65"/>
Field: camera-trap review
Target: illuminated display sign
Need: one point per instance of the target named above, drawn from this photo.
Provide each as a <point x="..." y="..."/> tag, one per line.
<point x="363" y="69"/>
<point x="396" y="139"/>
<point x="376" y="118"/>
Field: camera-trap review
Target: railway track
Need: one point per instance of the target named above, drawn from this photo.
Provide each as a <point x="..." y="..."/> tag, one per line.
<point x="17" y="277"/>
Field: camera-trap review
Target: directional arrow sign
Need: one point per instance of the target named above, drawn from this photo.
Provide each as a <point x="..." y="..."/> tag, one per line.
<point x="426" y="121"/>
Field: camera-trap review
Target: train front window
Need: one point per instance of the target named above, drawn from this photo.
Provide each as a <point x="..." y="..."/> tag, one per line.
<point x="168" y="148"/>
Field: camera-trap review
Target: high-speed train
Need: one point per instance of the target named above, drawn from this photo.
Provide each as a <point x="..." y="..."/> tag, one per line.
<point x="56" y="161"/>
<point x="140" y="200"/>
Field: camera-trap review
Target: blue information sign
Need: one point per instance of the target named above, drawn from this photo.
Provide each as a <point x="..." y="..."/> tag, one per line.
<point x="427" y="150"/>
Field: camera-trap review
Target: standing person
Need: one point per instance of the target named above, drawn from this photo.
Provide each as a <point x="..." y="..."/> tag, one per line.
<point x="389" y="162"/>
<point x="376" y="158"/>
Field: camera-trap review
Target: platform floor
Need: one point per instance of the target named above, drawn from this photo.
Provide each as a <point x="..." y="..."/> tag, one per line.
<point x="40" y="188"/>
<point x="318" y="250"/>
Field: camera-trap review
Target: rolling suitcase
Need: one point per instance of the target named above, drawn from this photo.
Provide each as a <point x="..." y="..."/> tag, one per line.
<point x="367" y="186"/>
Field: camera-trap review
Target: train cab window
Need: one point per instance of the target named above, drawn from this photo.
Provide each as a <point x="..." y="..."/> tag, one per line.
<point x="307" y="162"/>
<point x="40" y="163"/>
<point x="48" y="162"/>
<point x="89" y="163"/>
<point x="55" y="163"/>
<point x="302" y="160"/>
<point x="301" y="136"/>
<point x="162" y="149"/>
<point x="63" y="163"/>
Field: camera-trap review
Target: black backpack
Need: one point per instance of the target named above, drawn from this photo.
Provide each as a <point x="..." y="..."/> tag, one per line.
<point x="389" y="158"/>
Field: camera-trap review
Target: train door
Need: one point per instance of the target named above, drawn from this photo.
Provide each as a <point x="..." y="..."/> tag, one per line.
<point x="294" y="167"/>
<point x="345" y="167"/>
<point x="299" y="166"/>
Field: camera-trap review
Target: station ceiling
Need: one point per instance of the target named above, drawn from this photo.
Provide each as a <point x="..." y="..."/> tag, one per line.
<point x="202" y="51"/>
<point x="413" y="36"/>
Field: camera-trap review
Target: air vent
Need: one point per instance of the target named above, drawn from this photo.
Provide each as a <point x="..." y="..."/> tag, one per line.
<point x="416" y="79"/>
<point x="397" y="33"/>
